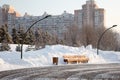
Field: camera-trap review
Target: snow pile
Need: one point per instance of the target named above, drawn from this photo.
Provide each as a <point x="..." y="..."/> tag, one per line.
<point x="40" y="58"/>
<point x="1" y="61"/>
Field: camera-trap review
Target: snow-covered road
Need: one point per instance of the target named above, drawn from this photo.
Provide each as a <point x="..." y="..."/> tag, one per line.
<point x="66" y="72"/>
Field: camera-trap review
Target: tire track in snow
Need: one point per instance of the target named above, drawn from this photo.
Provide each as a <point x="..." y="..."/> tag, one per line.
<point x="66" y="72"/>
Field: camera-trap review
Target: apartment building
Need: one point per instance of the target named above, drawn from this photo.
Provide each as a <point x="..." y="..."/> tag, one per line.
<point x="90" y="15"/>
<point x="55" y="25"/>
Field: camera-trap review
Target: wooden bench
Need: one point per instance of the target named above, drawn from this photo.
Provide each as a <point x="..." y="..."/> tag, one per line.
<point x="75" y="59"/>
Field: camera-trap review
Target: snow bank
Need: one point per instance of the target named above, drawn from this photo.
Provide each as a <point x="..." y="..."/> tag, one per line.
<point x="1" y="61"/>
<point x="40" y="58"/>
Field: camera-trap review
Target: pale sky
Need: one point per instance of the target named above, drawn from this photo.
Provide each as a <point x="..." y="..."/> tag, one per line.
<point x="56" y="7"/>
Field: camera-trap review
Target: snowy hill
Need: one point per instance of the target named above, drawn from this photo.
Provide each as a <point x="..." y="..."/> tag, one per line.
<point x="40" y="58"/>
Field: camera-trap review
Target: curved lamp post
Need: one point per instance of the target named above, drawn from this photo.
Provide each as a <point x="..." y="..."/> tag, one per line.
<point x="27" y="31"/>
<point x="98" y="43"/>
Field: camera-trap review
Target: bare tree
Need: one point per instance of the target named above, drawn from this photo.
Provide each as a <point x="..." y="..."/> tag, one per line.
<point x="72" y="36"/>
<point x="89" y="36"/>
<point x="109" y="41"/>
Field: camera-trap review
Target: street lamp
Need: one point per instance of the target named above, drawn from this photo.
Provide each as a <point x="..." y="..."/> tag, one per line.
<point x="98" y="43"/>
<point x="28" y="30"/>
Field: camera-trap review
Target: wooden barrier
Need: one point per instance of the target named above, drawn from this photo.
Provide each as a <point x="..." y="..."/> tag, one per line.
<point x="55" y="60"/>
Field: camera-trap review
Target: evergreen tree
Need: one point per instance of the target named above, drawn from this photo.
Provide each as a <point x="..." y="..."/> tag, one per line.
<point x="21" y="34"/>
<point x="29" y="38"/>
<point x="1" y="35"/>
<point x="4" y="34"/>
<point x="39" y="38"/>
<point x="15" y="36"/>
<point x="5" y="38"/>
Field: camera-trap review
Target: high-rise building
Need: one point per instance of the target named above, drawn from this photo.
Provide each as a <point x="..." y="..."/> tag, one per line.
<point x="90" y="15"/>
<point x="8" y="16"/>
<point x="5" y="9"/>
